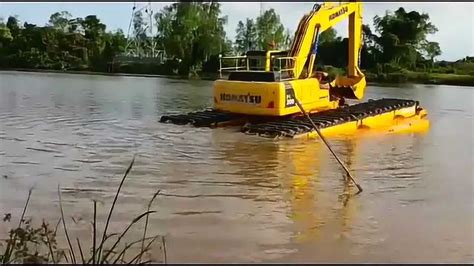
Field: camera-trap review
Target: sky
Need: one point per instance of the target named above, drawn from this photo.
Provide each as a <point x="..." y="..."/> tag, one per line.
<point x="454" y="20"/>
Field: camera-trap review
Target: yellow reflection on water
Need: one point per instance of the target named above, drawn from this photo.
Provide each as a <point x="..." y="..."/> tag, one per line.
<point x="309" y="209"/>
<point x="313" y="185"/>
<point x="303" y="200"/>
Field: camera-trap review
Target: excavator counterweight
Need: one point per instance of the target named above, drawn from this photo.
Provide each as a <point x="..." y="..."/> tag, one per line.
<point x="260" y="88"/>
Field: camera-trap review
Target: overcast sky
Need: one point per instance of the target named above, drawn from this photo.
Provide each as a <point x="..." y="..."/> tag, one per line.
<point x="454" y="20"/>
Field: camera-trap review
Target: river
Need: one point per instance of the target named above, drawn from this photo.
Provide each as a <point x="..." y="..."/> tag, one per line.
<point x="229" y="197"/>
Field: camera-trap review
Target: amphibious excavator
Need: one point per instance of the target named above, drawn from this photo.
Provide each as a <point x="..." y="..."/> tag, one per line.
<point x="262" y="89"/>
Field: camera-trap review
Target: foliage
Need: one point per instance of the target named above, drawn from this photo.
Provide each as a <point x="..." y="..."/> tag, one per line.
<point x="60" y="21"/>
<point x="399" y="42"/>
<point x="432" y="50"/>
<point x="265" y="33"/>
<point x="27" y="244"/>
<point x="328" y="36"/>
<point x="288" y="40"/>
<point x="403" y="36"/>
<point x="192" y="32"/>
<point x="332" y="50"/>
<point x="64" y="43"/>
<point x="270" y="31"/>
<point x="246" y="38"/>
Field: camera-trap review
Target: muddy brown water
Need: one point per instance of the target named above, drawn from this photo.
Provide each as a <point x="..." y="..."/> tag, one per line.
<point x="229" y="197"/>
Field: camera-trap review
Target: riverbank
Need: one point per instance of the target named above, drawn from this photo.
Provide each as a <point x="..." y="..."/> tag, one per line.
<point x="422" y="78"/>
<point x="391" y="78"/>
<point x="83" y="72"/>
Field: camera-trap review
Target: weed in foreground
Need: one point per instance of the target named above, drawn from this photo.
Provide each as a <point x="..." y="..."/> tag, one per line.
<point x="26" y="244"/>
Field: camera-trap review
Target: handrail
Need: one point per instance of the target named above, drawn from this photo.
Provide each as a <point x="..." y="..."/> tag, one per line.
<point x="291" y="69"/>
<point x="238" y="66"/>
<point x="233" y="67"/>
<point x="233" y="57"/>
<point x="237" y="58"/>
<point x="281" y="65"/>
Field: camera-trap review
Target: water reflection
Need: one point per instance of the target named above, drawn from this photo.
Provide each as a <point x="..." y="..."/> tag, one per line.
<point x="291" y="170"/>
<point x="309" y="210"/>
<point x="91" y="103"/>
<point x="348" y="198"/>
<point x="305" y="209"/>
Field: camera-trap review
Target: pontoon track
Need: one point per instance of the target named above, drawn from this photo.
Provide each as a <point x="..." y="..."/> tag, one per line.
<point x="291" y="126"/>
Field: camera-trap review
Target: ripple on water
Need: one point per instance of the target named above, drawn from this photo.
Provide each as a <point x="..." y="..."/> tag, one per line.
<point x="10" y="116"/>
<point x="406" y="175"/>
<point x="249" y="183"/>
<point x="88" y="161"/>
<point x="15" y="139"/>
<point x="194" y="212"/>
<point x="55" y="143"/>
<point x="239" y="196"/>
<point x="84" y="134"/>
<point x="25" y="162"/>
<point x="406" y="202"/>
<point x="85" y="193"/>
<point x="68" y="168"/>
<point x="116" y="150"/>
<point x="112" y="170"/>
<point x="71" y="120"/>
<point x="42" y="149"/>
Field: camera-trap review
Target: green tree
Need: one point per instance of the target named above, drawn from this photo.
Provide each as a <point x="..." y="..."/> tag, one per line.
<point x="370" y="52"/>
<point x="246" y="38"/>
<point x="118" y="41"/>
<point x="115" y="44"/>
<point x="75" y="25"/>
<point x="5" y="34"/>
<point x="93" y="28"/>
<point x="94" y="32"/>
<point x="13" y="25"/>
<point x="432" y="50"/>
<point x="328" y="36"/>
<point x="60" y="20"/>
<point x="64" y="43"/>
<point x="332" y="49"/>
<point x="402" y="36"/>
<point x="288" y="40"/>
<point x="270" y="31"/>
<point x="191" y="32"/>
<point x="5" y="42"/>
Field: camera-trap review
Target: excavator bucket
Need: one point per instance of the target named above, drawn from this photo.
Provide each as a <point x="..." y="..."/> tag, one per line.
<point x="348" y="87"/>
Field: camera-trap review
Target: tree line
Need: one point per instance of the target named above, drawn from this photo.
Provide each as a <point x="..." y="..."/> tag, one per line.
<point x="192" y="36"/>
<point x="64" y="43"/>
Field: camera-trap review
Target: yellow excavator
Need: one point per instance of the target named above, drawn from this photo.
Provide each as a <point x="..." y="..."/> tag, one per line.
<point x="261" y="90"/>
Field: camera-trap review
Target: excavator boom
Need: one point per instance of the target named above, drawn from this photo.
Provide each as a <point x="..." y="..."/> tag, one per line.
<point x="304" y="47"/>
<point x="320" y="19"/>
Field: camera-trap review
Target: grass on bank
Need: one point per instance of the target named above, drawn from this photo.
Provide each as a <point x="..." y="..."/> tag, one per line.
<point x="422" y="78"/>
<point x="27" y="244"/>
<point x="398" y="77"/>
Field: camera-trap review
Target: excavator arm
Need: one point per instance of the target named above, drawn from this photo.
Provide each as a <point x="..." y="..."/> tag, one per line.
<point x="304" y="47"/>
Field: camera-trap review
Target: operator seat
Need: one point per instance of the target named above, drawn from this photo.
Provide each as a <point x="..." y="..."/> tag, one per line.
<point x="323" y="78"/>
